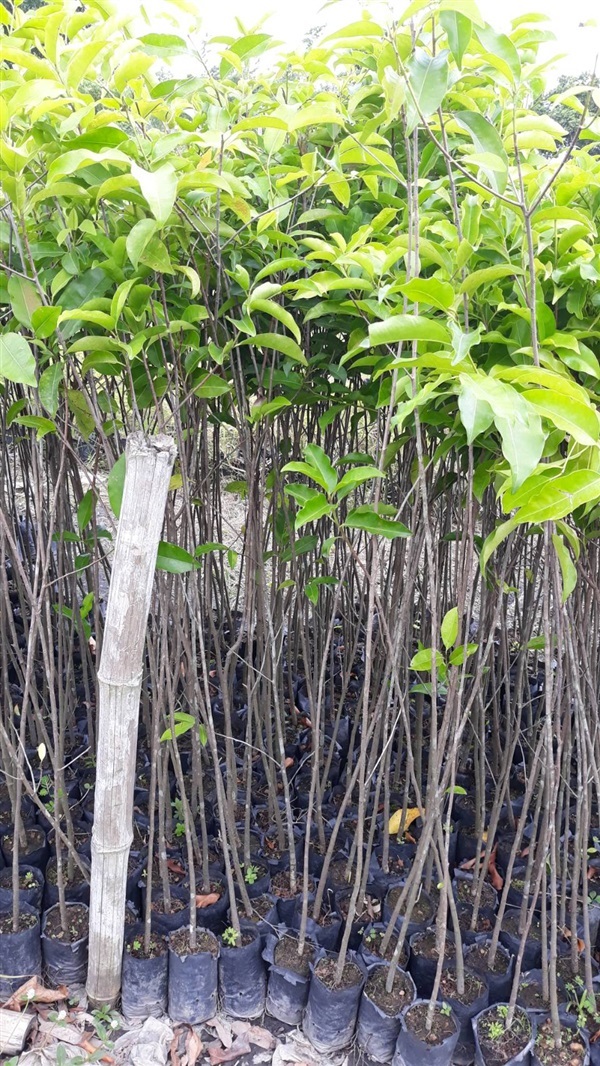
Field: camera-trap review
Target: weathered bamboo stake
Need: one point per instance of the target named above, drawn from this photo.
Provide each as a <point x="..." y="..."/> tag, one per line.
<point x="14" y="1028"/>
<point x="149" y="462"/>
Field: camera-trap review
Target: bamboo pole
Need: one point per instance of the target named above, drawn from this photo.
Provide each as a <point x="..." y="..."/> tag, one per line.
<point x="149" y="463"/>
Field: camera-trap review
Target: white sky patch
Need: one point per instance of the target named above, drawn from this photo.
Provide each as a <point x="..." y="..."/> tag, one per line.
<point x="575" y="23"/>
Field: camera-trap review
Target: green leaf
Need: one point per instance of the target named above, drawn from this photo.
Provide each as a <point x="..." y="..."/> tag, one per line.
<point x="459" y="655"/>
<point x="478" y="278"/>
<point x="163" y="44"/>
<point x="500" y="45"/>
<point x="44" y="321"/>
<point x="522" y="445"/>
<point x="487" y="142"/>
<point x="354" y="477"/>
<point x="476" y="414"/>
<point x="205" y="549"/>
<point x="366" y="518"/>
<point x="430" y="291"/>
<point x="428" y="81"/>
<point x="159" y="189"/>
<point x="37" y="422"/>
<point x="139" y="238"/>
<point x="211" y="387"/>
<point x="567" y="567"/>
<point x="173" y="559"/>
<point x="86" y="509"/>
<point x="561" y="496"/>
<point x="278" y="342"/>
<point x="565" y="412"/>
<point x="271" y="407"/>
<point x="48" y="387"/>
<point x="115" y="484"/>
<point x="449" y="627"/>
<point x="313" y="510"/>
<point x="458" y="31"/>
<point x="423" y="661"/>
<point x="17" y="362"/>
<point x="270" y="307"/>
<point x="24" y="299"/>
<point x="316" y="458"/>
<point x="408" y="328"/>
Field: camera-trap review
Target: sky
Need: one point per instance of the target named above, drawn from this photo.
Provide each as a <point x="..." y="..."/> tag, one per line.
<point x="289" y="20"/>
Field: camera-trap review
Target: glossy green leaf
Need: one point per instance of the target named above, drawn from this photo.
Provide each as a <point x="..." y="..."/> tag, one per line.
<point x="429" y="291"/>
<point x="567" y="567"/>
<point x="159" y="189"/>
<point x="377" y="525"/>
<point x="399" y="328"/>
<point x="314" y="509"/>
<point x="428" y="83"/>
<point x="449" y="627"/>
<point x="173" y="559"/>
<point x="44" y="321"/>
<point x="17" y="362"/>
<point x="458" y="31"/>
<point x="41" y="425"/>
<point x="115" y="485"/>
<point x="48" y="386"/>
<point x="578" y="419"/>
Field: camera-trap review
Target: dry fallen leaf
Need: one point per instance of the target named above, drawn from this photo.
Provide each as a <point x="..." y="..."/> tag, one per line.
<point x="32" y="991"/>
<point x="92" y="1049"/>
<point x="261" y="1037"/>
<point x="397" y="824"/>
<point x="224" y="1031"/>
<point x="173" y="1050"/>
<point x="208" y="900"/>
<point x="239" y="1047"/>
<point x="193" y="1048"/>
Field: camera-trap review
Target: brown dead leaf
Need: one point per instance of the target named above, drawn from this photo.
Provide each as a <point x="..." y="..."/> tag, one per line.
<point x="468" y="864"/>
<point x="208" y="900"/>
<point x="174" y="1049"/>
<point x="32" y="991"/>
<point x="92" y="1049"/>
<point x="223" y="1030"/>
<point x="261" y="1037"/>
<point x="193" y="1048"/>
<point x="239" y="1047"/>
<point x="175" y="867"/>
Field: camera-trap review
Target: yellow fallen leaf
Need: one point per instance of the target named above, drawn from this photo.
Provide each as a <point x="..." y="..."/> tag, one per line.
<point x="396" y="824"/>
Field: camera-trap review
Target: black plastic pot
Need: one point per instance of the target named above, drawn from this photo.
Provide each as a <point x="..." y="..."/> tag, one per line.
<point x="499" y="984"/>
<point x="144" y="982"/>
<point x="414" y="925"/>
<point x="568" y="1024"/>
<point x="20" y="954"/>
<point x="423" y="969"/>
<point x="330" y="1016"/>
<point x="522" y="1058"/>
<point x="411" y="1051"/>
<point x="76" y="893"/>
<point x="264" y="925"/>
<point x="242" y="977"/>
<point x="65" y="962"/>
<point x="31" y="896"/>
<point x="325" y="936"/>
<point x="193" y="984"/>
<point x="401" y="858"/>
<point x="464" y="1012"/>
<point x="287" y="991"/>
<point x="377" y="1032"/>
<point x="374" y="890"/>
<point x="34" y="854"/>
<point x="532" y="954"/>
